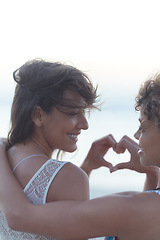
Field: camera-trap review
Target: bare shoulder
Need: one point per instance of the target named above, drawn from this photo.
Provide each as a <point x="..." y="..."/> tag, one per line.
<point x="77" y="172"/>
<point x="71" y="183"/>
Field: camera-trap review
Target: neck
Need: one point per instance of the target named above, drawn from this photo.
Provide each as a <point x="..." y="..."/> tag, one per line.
<point x="43" y="149"/>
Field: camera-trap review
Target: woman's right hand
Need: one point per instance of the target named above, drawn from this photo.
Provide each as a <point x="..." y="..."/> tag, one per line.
<point x="95" y="157"/>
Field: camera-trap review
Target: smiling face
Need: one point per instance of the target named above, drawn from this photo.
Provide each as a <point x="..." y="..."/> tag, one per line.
<point x="149" y="141"/>
<point x="62" y="125"/>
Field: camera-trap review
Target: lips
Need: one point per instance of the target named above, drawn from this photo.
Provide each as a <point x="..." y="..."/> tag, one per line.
<point x="73" y="136"/>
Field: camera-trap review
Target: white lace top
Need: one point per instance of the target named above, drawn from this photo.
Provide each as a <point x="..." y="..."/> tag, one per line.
<point x="36" y="191"/>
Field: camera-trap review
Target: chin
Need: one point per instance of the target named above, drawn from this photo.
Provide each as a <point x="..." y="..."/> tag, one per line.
<point x="70" y="149"/>
<point x="146" y="163"/>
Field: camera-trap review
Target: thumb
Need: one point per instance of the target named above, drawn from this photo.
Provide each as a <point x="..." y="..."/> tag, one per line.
<point x="120" y="166"/>
<point x="108" y="165"/>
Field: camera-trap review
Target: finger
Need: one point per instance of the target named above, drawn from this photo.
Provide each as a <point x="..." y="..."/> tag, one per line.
<point x="119" y="149"/>
<point x="112" y="141"/>
<point x="129" y="144"/>
<point x="110" y="166"/>
<point x="109" y="140"/>
<point x="121" y="166"/>
<point x="104" y="163"/>
<point x="128" y="165"/>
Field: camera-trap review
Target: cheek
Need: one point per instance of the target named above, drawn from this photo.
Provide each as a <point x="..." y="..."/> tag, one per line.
<point x="151" y="147"/>
<point x="147" y="139"/>
<point x="69" y="123"/>
<point x="142" y="141"/>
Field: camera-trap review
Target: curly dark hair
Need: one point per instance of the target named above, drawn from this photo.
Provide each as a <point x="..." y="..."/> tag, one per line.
<point x="42" y="83"/>
<point x="148" y="99"/>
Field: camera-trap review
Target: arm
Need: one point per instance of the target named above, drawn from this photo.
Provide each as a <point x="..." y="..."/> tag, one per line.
<point x="118" y="214"/>
<point x="65" y="220"/>
<point x="95" y="157"/>
<point x="152" y="173"/>
<point x="46" y="219"/>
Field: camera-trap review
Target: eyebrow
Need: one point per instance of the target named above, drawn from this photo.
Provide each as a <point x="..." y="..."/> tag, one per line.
<point x="72" y="104"/>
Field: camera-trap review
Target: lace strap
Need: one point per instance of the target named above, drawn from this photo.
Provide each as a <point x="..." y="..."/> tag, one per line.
<point x="37" y="188"/>
<point x="35" y="155"/>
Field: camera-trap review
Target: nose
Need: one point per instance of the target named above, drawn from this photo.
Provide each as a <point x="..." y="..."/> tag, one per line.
<point x="137" y="134"/>
<point x="83" y="123"/>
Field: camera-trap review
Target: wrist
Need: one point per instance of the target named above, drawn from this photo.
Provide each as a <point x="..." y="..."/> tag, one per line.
<point x="152" y="171"/>
<point x="152" y="178"/>
<point x="85" y="167"/>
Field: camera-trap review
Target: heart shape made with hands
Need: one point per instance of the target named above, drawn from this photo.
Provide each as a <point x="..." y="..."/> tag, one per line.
<point x="99" y="154"/>
<point x="117" y="157"/>
<point x="130" y="160"/>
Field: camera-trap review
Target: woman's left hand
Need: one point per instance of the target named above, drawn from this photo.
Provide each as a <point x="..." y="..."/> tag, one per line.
<point x="152" y="172"/>
<point x="129" y="144"/>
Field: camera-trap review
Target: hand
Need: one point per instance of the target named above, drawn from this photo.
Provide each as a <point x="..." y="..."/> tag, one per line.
<point x="134" y="163"/>
<point x="3" y="142"/>
<point x="95" y="158"/>
<point x="152" y="172"/>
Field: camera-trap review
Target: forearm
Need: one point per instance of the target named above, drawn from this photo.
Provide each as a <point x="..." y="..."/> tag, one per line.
<point x="65" y="220"/>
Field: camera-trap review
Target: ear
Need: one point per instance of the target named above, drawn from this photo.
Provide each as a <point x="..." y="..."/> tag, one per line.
<point x="37" y="116"/>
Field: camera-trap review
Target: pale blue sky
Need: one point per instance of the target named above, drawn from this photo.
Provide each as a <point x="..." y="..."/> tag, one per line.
<point x="117" y="42"/>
